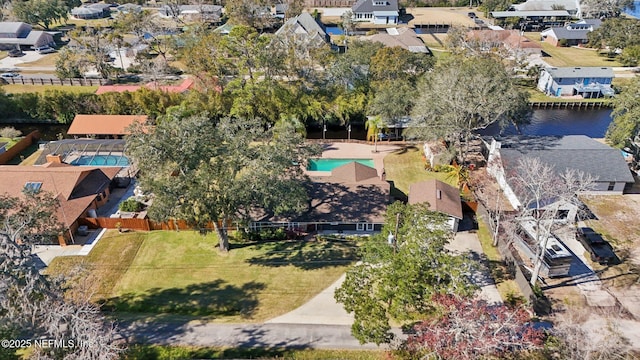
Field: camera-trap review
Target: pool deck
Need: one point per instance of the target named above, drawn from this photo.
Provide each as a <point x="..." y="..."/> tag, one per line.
<point x="342" y="150"/>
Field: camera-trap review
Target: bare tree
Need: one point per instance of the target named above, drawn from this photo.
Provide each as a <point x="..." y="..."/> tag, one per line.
<point x="491" y="197"/>
<point x="34" y="306"/>
<point x="583" y="334"/>
<point x="543" y="192"/>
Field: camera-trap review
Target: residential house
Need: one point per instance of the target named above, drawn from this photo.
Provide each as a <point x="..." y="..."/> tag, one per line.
<point x="204" y="12"/>
<point x="603" y="163"/>
<point x="79" y="189"/>
<point x="21" y="35"/>
<point x="571" y="6"/>
<point x="104" y="126"/>
<point x="353" y="199"/>
<point x="92" y="11"/>
<point x="574" y="34"/>
<point x="532" y="20"/>
<point x="513" y="41"/>
<point x="588" y="82"/>
<point x="303" y="29"/>
<point x="441" y="197"/>
<point x="404" y="38"/>
<point x="378" y="12"/>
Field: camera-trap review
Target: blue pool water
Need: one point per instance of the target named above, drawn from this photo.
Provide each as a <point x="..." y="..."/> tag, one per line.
<point x="334" y="30"/>
<point x="330" y="164"/>
<point x="101" y="160"/>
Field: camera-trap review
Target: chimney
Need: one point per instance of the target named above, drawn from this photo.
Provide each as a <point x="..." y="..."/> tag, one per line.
<point x="54" y="158"/>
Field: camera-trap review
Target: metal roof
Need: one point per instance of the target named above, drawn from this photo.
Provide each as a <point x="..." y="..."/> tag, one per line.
<point x="526" y="14"/>
<point x="580" y="72"/>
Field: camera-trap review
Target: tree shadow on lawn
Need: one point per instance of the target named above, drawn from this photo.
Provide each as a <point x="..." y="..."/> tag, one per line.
<point x="211" y="299"/>
<point x="307" y="255"/>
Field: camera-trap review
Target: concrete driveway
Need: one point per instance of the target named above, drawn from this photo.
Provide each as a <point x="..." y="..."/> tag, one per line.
<point x="29" y="56"/>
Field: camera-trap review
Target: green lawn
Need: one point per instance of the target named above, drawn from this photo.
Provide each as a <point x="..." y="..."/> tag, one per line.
<point x="183" y="274"/>
<point x="153" y="352"/>
<point x="10" y="142"/>
<point x="536" y="95"/>
<point x="405" y="167"/>
<point x="19" y="88"/>
<point x="571" y="56"/>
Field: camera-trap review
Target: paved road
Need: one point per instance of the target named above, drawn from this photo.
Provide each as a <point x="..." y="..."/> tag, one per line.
<point x="246" y="335"/>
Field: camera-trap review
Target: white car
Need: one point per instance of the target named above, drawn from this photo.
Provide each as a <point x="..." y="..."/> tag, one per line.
<point x="45" y="50"/>
<point x="8" y="75"/>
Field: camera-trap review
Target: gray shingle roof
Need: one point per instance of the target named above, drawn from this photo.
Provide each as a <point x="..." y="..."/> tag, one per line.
<point x="8" y="27"/>
<point x="570" y="34"/>
<point x="577" y="152"/>
<point x="580" y="72"/>
<point x="366" y="6"/>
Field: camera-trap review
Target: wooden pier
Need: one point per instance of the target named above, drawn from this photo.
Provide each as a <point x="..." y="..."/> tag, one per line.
<point x="571" y="104"/>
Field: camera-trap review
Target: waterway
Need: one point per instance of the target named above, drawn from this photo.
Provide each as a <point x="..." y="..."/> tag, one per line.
<point x="592" y="122"/>
<point x="635" y="12"/>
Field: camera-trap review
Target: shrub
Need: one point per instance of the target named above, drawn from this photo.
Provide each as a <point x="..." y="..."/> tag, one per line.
<point x="9" y="132"/>
<point x="130" y="205"/>
<point x="563" y="42"/>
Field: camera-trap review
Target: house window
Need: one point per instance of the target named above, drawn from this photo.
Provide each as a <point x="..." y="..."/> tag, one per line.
<point x="369" y="227"/>
<point x="612" y="185"/>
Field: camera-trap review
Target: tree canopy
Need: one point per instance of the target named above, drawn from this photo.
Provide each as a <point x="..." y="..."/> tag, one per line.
<point x="626" y="116"/>
<point x="202" y="170"/>
<point x="465" y="94"/>
<point x="616" y="33"/>
<point x="42" y="12"/>
<point x="396" y="281"/>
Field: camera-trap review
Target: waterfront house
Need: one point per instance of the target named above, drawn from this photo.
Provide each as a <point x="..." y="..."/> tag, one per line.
<point x="92" y="11"/>
<point x="378" y="12"/>
<point x="303" y="31"/>
<point x="574" y="34"/>
<point x="512" y="41"/>
<point x="104" y="126"/>
<point x="603" y="163"/>
<point x="441" y="197"/>
<point x="19" y="35"/>
<point x="404" y="38"/>
<point x="588" y="82"/>
<point x="571" y="6"/>
<point x="353" y="199"/>
<point x="79" y="189"/>
<point x="532" y="20"/>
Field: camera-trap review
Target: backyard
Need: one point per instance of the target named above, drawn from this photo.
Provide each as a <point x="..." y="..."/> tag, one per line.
<point x="571" y="56"/>
<point x="182" y="275"/>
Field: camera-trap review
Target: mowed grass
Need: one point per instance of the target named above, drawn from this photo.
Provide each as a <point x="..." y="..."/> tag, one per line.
<point x="406" y="166"/>
<point x="571" y="56"/>
<point x="19" y="88"/>
<point x="183" y="274"/>
<point x="155" y="352"/>
<point x="47" y="60"/>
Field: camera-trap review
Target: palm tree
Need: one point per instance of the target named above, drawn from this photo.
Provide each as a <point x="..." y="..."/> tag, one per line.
<point x="373" y="125"/>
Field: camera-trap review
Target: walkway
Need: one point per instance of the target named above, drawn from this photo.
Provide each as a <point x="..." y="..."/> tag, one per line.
<point x="468" y="241"/>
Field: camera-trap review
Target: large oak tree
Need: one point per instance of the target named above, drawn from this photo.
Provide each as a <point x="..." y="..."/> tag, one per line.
<point x="463" y="95"/>
<point x="397" y="279"/>
<point x="206" y="171"/>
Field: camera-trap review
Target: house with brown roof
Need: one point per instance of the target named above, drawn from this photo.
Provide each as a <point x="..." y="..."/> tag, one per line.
<point x="400" y="37"/>
<point x="104" y="126"/>
<point x="513" y="41"/>
<point x="441" y="197"/>
<point x="352" y="199"/>
<point x="78" y="188"/>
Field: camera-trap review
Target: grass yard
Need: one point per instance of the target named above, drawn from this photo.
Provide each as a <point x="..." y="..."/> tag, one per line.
<point x="571" y="56"/>
<point x="154" y="352"/>
<point x="405" y="167"/>
<point x="19" y="88"/>
<point x="183" y="274"/>
<point x="48" y="60"/>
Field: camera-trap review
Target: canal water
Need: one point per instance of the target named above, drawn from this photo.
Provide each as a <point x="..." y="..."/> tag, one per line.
<point x="592" y="122"/>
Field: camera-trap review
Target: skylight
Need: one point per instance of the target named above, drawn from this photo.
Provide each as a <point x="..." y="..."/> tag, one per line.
<point x="33" y="186"/>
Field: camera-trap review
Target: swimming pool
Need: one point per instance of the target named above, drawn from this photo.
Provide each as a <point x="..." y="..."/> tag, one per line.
<point x="101" y="160"/>
<point x="330" y="164"/>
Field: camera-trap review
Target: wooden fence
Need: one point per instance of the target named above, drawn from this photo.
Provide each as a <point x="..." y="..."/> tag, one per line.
<point x="18" y="147"/>
<point x="52" y="81"/>
<point x="140" y="224"/>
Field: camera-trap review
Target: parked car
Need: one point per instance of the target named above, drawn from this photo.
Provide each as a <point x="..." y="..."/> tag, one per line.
<point x="389" y="136"/>
<point x="471" y="14"/>
<point x="599" y="250"/>
<point x="15" y="53"/>
<point x="45" y="50"/>
<point x="9" y="75"/>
